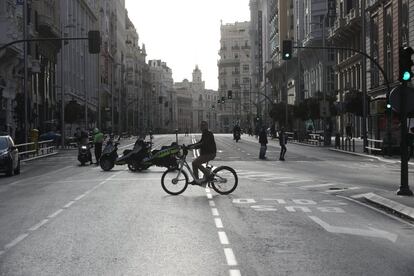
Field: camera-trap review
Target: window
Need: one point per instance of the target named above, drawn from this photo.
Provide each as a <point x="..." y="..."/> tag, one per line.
<point x="388" y="43"/>
<point x="374" y="51"/>
<point x="245" y="68"/>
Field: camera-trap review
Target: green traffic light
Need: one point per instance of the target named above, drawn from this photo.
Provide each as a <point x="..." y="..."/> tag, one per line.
<point x="388" y="106"/>
<point x="287" y="55"/>
<point x="406" y="76"/>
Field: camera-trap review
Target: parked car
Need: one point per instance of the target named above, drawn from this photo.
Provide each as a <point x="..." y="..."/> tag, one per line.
<point x="9" y="156"/>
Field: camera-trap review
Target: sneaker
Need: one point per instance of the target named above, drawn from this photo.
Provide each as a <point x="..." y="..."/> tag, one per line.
<point x="282" y="159"/>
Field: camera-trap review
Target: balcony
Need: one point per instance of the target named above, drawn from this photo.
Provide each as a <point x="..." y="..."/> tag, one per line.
<point x="353" y="16"/>
<point x="48" y="18"/>
<point x="228" y="62"/>
<point x="337" y="27"/>
<point x="235" y="47"/>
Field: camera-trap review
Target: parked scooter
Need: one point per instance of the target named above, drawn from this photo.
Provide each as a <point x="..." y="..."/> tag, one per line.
<point x="84" y="153"/>
<point x="164" y="157"/>
<point x="140" y="157"/>
<point x="109" y="154"/>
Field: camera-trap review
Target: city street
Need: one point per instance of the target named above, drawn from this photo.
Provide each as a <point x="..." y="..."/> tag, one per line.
<point x="298" y="217"/>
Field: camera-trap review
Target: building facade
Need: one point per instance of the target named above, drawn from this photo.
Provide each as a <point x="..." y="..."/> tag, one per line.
<point x="234" y="68"/>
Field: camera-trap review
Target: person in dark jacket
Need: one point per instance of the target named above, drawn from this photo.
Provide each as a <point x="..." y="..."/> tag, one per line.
<point x="208" y="150"/>
<point x="282" y="143"/>
<point x="263" y="143"/>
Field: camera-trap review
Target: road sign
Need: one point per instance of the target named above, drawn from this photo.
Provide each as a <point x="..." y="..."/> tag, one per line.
<point x="395" y="100"/>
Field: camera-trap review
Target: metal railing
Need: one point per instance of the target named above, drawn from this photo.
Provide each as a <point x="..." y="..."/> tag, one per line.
<point x="374" y="145"/>
<point x="33" y="149"/>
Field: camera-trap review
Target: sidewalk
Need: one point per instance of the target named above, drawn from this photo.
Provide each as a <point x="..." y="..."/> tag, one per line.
<point x="402" y="206"/>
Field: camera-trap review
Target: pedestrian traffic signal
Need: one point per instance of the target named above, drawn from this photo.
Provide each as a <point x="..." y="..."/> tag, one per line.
<point x="406" y="63"/>
<point x="94" y="42"/>
<point x="229" y="94"/>
<point x="223" y="100"/>
<point x="287" y="49"/>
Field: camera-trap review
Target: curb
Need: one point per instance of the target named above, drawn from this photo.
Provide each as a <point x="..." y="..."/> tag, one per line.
<point x="38" y="157"/>
<point x="401" y="209"/>
<point x="371" y="156"/>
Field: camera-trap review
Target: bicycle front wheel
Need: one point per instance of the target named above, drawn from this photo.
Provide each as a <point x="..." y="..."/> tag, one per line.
<point x="225" y="180"/>
<point x="174" y="182"/>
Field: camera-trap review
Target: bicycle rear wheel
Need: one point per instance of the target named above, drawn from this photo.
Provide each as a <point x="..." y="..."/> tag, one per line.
<point x="225" y="180"/>
<point x="173" y="183"/>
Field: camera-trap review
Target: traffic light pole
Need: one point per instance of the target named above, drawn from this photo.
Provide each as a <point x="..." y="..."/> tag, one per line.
<point x="404" y="188"/>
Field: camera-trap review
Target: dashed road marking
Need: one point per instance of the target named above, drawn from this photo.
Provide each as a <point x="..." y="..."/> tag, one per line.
<point x="211" y="203"/>
<point x="223" y="238"/>
<point x="218" y="222"/>
<point x="209" y="196"/>
<point x="215" y="212"/>
<point x="316" y="186"/>
<point x="80" y="197"/>
<point x="295" y="181"/>
<point x="15" y="241"/>
<point x="69" y="204"/>
<point x="230" y="258"/>
<point x="37" y="226"/>
<point x="55" y="213"/>
<point x="235" y="272"/>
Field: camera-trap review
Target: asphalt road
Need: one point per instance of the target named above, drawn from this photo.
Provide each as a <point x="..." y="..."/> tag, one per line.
<point x="285" y="218"/>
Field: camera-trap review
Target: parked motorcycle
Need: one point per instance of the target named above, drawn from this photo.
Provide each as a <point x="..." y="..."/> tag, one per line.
<point x="164" y="157"/>
<point x="84" y="153"/>
<point x="109" y="154"/>
<point x="140" y="157"/>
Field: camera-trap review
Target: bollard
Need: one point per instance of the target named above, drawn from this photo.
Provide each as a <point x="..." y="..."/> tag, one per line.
<point x="176" y="135"/>
<point x="353" y="145"/>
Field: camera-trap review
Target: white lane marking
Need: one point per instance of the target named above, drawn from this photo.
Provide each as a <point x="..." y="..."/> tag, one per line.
<point x="342" y="190"/>
<point x="69" y="204"/>
<point x="209" y="196"/>
<point x="316" y="186"/>
<point x="211" y="203"/>
<point x="235" y="272"/>
<point x="55" y="213"/>
<point x="43" y="175"/>
<point x="223" y="238"/>
<point x="371" y="232"/>
<point x="218" y="222"/>
<point x="207" y="190"/>
<point x="295" y="181"/>
<point x="80" y="197"/>
<point x="215" y="212"/>
<point x="276" y="178"/>
<point x="37" y="226"/>
<point x="15" y="241"/>
<point x="230" y="258"/>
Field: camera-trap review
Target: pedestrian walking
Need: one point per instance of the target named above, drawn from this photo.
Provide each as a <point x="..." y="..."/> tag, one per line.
<point x="263" y="143"/>
<point x="98" y="139"/>
<point x="282" y="143"/>
<point x="410" y="142"/>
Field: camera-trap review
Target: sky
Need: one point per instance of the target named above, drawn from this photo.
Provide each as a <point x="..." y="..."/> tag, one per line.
<point x="185" y="33"/>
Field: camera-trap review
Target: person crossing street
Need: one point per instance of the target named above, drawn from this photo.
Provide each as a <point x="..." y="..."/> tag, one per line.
<point x="98" y="139"/>
<point x="282" y="143"/>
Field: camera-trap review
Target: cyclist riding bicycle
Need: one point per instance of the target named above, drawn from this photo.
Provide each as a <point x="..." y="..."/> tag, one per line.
<point x="208" y="150"/>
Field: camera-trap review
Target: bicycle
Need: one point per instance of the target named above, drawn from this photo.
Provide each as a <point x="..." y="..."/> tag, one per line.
<point x="174" y="181"/>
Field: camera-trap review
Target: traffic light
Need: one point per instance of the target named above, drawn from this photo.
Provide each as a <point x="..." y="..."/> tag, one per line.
<point x="94" y="42"/>
<point x="406" y="63"/>
<point x="223" y="100"/>
<point x="229" y="94"/>
<point x="287" y="49"/>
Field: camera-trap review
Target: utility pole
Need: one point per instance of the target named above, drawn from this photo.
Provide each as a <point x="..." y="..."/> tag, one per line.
<point x="364" y="81"/>
<point x="25" y="86"/>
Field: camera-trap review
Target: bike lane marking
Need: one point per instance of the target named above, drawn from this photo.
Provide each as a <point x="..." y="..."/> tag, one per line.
<point x="228" y="251"/>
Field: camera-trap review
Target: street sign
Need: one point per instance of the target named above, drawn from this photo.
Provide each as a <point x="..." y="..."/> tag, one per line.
<point x="396" y="102"/>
